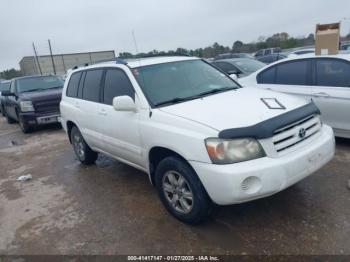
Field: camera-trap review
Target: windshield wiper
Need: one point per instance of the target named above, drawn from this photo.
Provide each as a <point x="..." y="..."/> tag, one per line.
<point x="182" y="99"/>
<point x="215" y="91"/>
<point x="173" y="101"/>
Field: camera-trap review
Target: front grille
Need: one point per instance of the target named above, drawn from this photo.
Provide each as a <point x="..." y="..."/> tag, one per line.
<point x="47" y="106"/>
<point x="295" y="133"/>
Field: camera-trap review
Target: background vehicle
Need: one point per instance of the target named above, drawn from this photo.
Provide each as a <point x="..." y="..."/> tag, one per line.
<point x="267" y="51"/>
<point x="33" y="100"/>
<point x="345" y="46"/>
<point x="4" y="86"/>
<point x="322" y="79"/>
<point x="239" y="66"/>
<point x="268" y="59"/>
<point x="233" y="55"/>
<point x="303" y="51"/>
<point x="194" y="131"/>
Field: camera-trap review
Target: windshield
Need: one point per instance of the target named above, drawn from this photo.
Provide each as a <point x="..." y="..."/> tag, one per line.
<point x="180" y="81"/>
<point x="4" y="86"/>
<point x="38" y="83"/>
<point x="249" y="65"/>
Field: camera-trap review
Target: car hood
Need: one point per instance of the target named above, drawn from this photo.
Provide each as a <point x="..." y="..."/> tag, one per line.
<point x="41" y="95"/>
<point x="233" y="109"/>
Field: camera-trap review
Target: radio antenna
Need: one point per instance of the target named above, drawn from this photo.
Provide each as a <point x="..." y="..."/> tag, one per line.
<point x="140" y="69"/>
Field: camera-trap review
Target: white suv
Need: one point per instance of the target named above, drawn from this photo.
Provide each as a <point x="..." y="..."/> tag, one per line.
<point x="200" y="137"/>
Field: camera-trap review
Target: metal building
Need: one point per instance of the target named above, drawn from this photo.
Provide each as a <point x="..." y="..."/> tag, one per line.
<point x="62" y="62"/>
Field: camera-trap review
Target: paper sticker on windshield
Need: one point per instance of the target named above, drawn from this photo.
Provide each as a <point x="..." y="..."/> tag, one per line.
<point x="272" y="103"/>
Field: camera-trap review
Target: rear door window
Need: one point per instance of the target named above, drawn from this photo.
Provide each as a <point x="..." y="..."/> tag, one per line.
<point x="92" y="85"/>
<point x="292" y="73"/>
<point x="332" y="72"/>
<point x="72" y="89"/>
<point x="117" y="83"/>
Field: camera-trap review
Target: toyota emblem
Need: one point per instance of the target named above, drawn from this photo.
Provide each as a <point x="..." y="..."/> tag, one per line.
<point x="302" y="133"/>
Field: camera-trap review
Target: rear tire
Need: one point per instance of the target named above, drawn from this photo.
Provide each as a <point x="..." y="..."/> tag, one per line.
<point x="181" y="191"/>
<point x="82" y="150"/>
<point x="9" y="119"/>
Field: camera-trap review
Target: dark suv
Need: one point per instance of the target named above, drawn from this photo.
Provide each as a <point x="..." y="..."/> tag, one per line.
<point x="33" y="100"/>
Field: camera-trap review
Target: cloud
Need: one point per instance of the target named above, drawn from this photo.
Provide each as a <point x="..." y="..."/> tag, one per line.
<point x="92" y="25"/>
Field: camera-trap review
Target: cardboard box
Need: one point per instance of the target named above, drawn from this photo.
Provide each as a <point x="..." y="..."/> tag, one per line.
<point x="327" y="39"/>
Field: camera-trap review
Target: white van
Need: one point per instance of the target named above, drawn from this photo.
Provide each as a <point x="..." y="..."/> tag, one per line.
<point x="200" y="137"/>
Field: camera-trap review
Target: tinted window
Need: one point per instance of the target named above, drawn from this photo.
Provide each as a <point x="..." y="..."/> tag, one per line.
<point x="116" y="84"/>
<point x="292" y="73"/>
<point x="259" y="53"/>
<point x="72" y="89"/>
<point x="332" y="72"/>
<point x="5" y="86"/>
<point x="248" y="65"/>
<point x="226" y="67"/>
<point x="267" y="76"/>
<point x="190" y="79"/>
<point x="92" y="84"/>
<point x="267" y="51"/>
<point x="267" y="59"/>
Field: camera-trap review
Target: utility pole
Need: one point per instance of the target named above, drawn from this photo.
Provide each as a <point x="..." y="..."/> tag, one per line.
<point x="53" y="63"/>
<point x="37" y="60"/>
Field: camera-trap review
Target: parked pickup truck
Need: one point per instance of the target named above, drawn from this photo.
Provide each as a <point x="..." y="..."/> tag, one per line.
<point x="33" y="100"/>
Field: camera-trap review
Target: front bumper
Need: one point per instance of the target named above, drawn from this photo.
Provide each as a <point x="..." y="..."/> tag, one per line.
<point x="33" y="118"/>
<point x="242" y="182"/>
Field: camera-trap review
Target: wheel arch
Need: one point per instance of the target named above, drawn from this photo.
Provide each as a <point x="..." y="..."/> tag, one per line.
<point x="156" y="154"/>
<point x="70" y="125"/>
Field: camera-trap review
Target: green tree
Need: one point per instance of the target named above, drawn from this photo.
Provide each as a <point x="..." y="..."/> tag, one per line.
<point x="237" y="46"/>
<point x="10" y="73"/>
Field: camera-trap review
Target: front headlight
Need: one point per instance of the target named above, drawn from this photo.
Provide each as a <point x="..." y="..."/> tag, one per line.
<point x="229" y="151"/>
<point x="26" y="106"/>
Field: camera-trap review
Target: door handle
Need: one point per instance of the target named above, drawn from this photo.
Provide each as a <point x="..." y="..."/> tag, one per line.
<point x="321" y="94"/>
<point x="76" y="104"/>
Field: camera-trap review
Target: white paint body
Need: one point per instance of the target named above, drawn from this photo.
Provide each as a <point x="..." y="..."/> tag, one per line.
<point x="183" y="127"/>
<point x="333" y="101"/>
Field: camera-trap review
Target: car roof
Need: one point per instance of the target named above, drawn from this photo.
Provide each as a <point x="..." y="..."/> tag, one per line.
<point x="312" y="55"/>
<point x="298" y="57"/>
<point x="139" y="62"/>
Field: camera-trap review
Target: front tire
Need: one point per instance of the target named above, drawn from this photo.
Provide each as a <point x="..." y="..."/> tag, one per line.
<point x="82" y="150"/>
<point x="25" y="127"/>
<point x="181" y="191"/>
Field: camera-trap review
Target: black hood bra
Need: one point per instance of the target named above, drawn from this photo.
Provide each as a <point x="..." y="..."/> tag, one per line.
<point x="267" y="128"/>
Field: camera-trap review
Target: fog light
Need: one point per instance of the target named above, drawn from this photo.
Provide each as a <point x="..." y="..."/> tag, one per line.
<point x="251" y="185"/>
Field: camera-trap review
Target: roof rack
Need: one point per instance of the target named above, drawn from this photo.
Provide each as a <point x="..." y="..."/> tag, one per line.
<point x="117" y="60"/>
<point x="158" y="55"/>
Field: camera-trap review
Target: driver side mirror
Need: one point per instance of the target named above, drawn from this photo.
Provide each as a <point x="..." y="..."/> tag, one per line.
<point x="7" y="93"/>
<point x="124" y="103"/>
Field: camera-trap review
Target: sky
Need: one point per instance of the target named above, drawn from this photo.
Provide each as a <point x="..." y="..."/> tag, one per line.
<point x="96" y="25"/>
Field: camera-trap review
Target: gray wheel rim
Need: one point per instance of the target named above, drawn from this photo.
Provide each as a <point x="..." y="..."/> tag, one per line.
<point x="78" y="146"/>
<point x="177" y="192"/>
